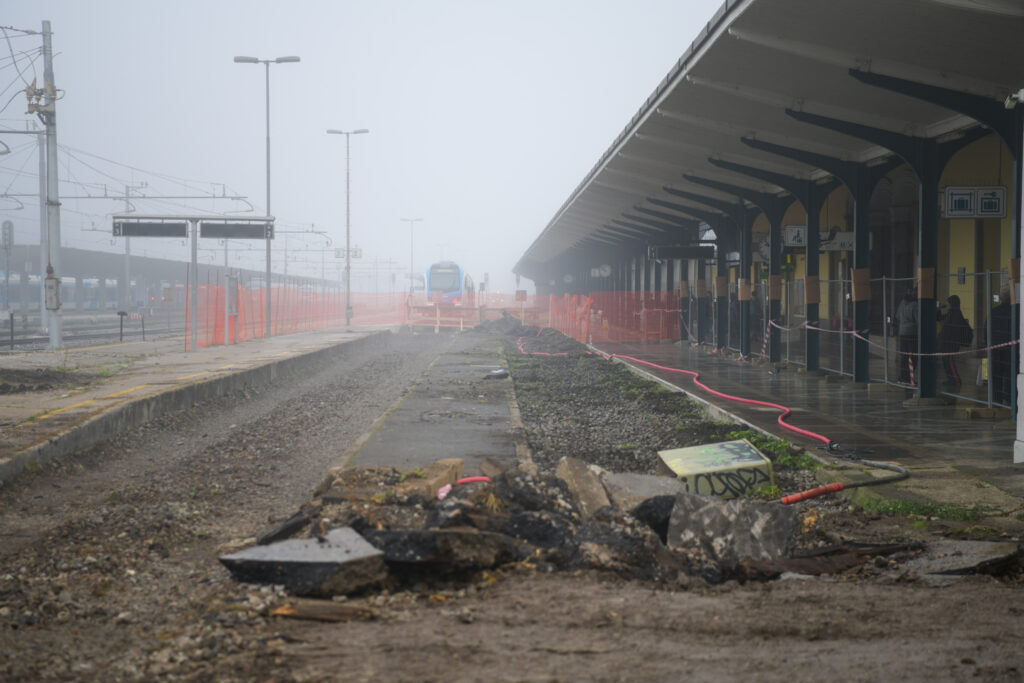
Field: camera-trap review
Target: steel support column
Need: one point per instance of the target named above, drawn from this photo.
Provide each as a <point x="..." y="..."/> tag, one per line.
<point x="812" y="196"/>
<point x="1008" y="124"/>
<point x="774" y="208"/>
<point x="927" y="159"/>
<point x="728" y="236"/>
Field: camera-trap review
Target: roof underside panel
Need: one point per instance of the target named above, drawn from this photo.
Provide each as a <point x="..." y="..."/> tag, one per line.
<point x="759" y="58"/>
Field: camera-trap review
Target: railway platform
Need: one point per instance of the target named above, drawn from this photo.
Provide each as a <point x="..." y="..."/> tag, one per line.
<point x="75" y="397"/>
<point x="952" y="459"/>
<point x="955" y="455"/>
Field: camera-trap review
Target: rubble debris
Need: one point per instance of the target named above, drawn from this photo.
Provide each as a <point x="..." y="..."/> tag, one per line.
<point x="734" y="530"/>
<point x="426" y="482"/>
<point x="655" y="512"/>
<point x="627" y="490"/>
<point x="636" y="526"/>
<point x="288" y="527"/>
<point x="584" y="486"/>
<point x="322" y="610"/>
<point x="964" y="557"/>
<point x="455" y="548"/>
<point x="360" y="484"/>
<point x="343" y="564"/>
<point x="829" y="560"/>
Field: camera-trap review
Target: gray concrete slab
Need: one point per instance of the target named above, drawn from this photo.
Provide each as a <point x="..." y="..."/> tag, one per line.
<point x="454" y="411"/>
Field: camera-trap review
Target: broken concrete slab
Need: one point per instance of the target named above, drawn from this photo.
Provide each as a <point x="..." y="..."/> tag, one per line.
<point x="426" y="481"/>
<point x="964" y="557"/>
<point x="456" y="548"/>
<point x="340" y="563"/>
<point x="626" y="490"/>
<point x="584" y="485"/>
<point x="734" y="530"/>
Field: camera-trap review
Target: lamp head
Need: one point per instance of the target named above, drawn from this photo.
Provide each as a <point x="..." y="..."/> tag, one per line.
<point x="246" y="60"/>
<point x="285" y="60"/>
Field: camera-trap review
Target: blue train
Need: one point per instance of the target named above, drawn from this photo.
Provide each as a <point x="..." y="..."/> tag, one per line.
<point x="447" y="283"/>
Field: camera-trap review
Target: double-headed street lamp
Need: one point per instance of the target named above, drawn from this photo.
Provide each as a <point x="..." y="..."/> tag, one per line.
<point x="268" y="62"/>
<point x="348" y="225"/>
<point x="410" y="221"/>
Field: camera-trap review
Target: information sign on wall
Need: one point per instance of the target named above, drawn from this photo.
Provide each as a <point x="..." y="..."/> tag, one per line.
<point x="833" y="240"/>
<point x="974" y="202"/>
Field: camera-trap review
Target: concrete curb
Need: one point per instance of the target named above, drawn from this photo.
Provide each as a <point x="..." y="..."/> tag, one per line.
<point x="123" y="416"/>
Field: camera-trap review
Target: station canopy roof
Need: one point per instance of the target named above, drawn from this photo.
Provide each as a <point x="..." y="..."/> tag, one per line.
<point x="755" y="60"/>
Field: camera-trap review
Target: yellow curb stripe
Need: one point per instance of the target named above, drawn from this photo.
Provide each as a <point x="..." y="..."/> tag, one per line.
<point x="102" y="346"/>
<point x="126" y="391"/>
<point x="61" y="410"/>
<point x="197" y="374"/>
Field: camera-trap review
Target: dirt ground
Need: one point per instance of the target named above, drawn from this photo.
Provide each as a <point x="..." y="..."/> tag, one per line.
<point x="109" y="571"/>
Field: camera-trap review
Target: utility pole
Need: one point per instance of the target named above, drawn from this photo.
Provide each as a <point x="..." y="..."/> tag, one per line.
<point x="48" y="113"/>
<point x="44" y="242"/>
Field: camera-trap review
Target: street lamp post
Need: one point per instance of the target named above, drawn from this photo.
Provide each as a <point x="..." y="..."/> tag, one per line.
<point x="348" y="224"/>
<point x="410" y="221"/>
<point x="267" y="62"/>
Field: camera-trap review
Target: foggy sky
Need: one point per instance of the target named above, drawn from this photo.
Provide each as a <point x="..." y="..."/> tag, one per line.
<point x="483" y="117"/>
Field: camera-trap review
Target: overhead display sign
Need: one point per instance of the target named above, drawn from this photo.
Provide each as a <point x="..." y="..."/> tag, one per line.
<point x="682" y="252"/>
<point x="236" y="230"/>
<point x="974" y="202"/>
<point x="150" y="229"/>
<point x="796" y="236"/>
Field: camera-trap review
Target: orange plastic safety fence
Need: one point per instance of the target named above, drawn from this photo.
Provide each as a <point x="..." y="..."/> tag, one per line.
<point x="617" y="316"/>
<point x="293" y="309"/>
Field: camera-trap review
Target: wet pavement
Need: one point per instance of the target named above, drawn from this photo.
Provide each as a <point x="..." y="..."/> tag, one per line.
<point x="951" y="457"/>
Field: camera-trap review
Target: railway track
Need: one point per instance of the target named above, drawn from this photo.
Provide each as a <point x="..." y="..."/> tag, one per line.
<point x="29" y="335"/>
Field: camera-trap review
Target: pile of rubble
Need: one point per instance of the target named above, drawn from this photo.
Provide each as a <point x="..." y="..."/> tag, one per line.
<point x="381" y="528"/>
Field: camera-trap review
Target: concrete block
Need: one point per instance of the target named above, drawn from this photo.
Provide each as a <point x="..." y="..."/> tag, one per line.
<point x="626" y="490"/>
<point x="963" y="557"/>
<point x="426" y="481"/>
<point x="455" y="548"/>
<point x="341" y="563"/>
<point x="584" y="486"/>
<point x="734" y="530"/>
<point x="727" y="470"/>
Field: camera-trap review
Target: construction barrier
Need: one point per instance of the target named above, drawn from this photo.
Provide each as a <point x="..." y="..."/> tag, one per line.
<point x="293" y="309"/>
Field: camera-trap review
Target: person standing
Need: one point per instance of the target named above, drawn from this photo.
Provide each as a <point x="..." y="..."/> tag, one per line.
<point x="955" y="332"/>
<point x="907" y="315"/>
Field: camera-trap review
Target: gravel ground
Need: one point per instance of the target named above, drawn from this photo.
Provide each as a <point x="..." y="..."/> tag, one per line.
<point x="108" y="566"/>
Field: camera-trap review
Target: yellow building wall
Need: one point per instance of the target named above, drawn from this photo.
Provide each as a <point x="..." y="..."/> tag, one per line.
<point x="985" y="162"/>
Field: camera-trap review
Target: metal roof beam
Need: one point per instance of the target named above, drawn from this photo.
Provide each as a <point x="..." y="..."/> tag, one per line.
<point x="1007" y="123"/>
<point x="660" y="225"/>
<point x="683" y="222"/>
